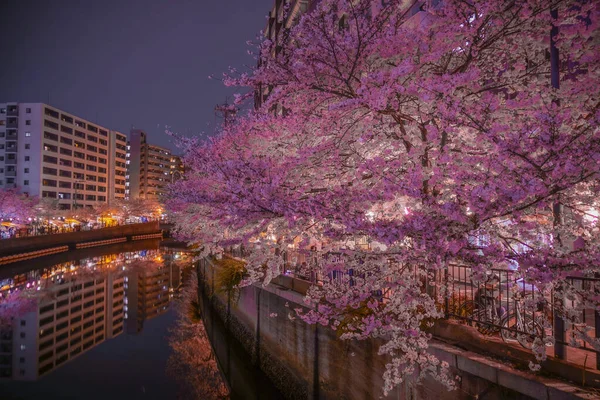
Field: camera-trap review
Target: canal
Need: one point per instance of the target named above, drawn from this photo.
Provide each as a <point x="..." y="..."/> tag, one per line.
<point x="120" y="323"/>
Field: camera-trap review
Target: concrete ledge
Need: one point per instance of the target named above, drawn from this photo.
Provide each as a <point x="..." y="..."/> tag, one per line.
<point x="474" y="341"/>
<point x="9" y="247"/>
<point x="503" y="375"/>
<point x="32" y="254"/>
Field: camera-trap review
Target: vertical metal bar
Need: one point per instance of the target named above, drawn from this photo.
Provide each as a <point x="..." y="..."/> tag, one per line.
<point x="597" y="331"/>
<point x="559" y="323"/>
<point x="447" y="294"/>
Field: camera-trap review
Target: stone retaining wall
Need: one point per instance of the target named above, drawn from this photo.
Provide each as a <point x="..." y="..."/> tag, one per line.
<point x="310" y="362"/>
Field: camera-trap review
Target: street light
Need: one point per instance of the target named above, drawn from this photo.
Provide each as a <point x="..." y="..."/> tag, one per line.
<point x="173" y="175"/>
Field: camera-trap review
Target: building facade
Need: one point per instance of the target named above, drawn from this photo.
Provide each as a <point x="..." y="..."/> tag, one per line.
<point x="56" y="155"/>
<point x="150" y="168"/>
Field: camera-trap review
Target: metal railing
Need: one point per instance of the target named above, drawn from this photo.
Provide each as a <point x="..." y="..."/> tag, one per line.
<point x="505" y="304"/>
<point x="500" y="303"/>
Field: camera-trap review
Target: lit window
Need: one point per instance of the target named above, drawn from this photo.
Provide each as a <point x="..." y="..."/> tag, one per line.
<point x="27" y="133"/>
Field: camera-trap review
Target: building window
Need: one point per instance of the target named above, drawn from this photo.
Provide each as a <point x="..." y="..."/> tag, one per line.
<point x="23" y="322"/>
<point x="66" y="118"/>
<point x="23" y="347"/>
<point x="22" y="335"/>
<point x="52" y="113"/>
<point x="25" y="183"/>
<point x="27" y="134"/>
<point x="28" y="122"/>
<point x="28" y="110"/>
<point x="26" y="170"/>
<point x="22" y="360"/>
<point x="26" y="158"/>
<point x="27" y="146"/>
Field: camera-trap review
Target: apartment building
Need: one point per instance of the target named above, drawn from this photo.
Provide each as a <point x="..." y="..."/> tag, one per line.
<point x="118" y="153"/>
<point x="53" y="154"/>
<point x="73" y="316"/>
<point x="150" y="168"/>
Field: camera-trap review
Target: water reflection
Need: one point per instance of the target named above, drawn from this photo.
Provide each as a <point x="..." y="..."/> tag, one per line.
<point x="49" y="316"/>
<point x="193" y="363"/>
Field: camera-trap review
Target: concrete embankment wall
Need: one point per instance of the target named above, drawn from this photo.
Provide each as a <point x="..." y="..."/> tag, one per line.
<point x="309" y="362"/>
<point x="19" y="267"/>
<point x="10" y="247"/>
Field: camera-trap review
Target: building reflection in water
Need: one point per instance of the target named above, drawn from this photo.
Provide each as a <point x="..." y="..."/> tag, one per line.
<point x="150" y="290"/>
<point x="58" y="313"/>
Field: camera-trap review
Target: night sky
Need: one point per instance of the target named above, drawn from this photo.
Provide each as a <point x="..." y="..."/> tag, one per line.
<point x="127" y="62"/>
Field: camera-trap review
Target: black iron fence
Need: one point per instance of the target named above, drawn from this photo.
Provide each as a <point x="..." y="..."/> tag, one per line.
<point x="499" y="302"/>
<point x="504" y="303"/>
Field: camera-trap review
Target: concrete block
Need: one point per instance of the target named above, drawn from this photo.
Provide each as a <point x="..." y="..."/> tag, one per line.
<point x="477" y="366"/>
<point x="566" y="391"/>
<point x="519" y="382"/>
<point x="445" y="353"/>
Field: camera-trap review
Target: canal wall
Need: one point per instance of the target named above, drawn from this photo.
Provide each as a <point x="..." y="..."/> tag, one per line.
<point x="10" y="247"/>
<point x="309" y="361"/>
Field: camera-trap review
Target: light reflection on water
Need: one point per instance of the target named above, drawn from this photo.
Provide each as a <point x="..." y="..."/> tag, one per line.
<point x="50" y="316"/>
<point x="121" y="325"/>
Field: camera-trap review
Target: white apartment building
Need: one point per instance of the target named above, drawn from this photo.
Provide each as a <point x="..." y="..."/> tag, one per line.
<point x="53" y="154"/>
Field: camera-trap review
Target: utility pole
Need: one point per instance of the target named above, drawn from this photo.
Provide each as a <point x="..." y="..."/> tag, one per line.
<point x="226" y="113"/>
<point x="77" y="182"/>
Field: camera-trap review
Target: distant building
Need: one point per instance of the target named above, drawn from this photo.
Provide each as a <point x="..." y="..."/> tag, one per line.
<point x="149" y="167"/>
<point x="177" y="168"/>
<point x="278" y="25"/>
<point x="53" y="154"/>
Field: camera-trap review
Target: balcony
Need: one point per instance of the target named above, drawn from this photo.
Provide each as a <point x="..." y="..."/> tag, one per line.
<point x="12" y="110"/>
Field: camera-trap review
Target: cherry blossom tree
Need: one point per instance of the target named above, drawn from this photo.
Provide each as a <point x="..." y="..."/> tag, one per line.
<point x="437" y="134"/>
<point x="14" y="205"/>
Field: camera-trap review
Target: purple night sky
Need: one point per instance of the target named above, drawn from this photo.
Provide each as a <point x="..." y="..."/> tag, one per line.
<point x="127" y="62"/>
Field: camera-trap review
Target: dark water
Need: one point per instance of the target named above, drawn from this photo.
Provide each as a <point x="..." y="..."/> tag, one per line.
<point x="98" y="327"/>
<point x="244" y="379"/>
